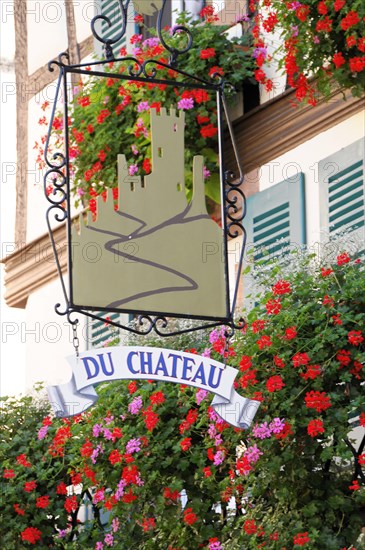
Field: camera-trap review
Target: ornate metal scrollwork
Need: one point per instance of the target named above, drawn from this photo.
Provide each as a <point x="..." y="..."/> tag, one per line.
<point x="148" y="8"/>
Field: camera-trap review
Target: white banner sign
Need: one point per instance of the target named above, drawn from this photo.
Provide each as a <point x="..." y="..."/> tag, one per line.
<point x="144" y="363"/>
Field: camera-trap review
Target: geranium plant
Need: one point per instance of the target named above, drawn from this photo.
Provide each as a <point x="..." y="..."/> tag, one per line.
<point x="151" y="465"/>
<point x="321" y="45"/>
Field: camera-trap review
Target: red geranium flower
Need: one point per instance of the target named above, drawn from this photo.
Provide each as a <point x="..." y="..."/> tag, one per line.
<point x="31" y="535"/>
<point x="351" y="19"/>
<point x="207" y="471"/>
<point x="313" y="371"/>
<point x="326" y="272"/>
<point x="284" y="432"/>
<point x="132" y="387"/>
<point x="190" y="517"/>
<point x="149" y="524"/>
<point x="355" y="485"/>
<point x="207" y="53"/>
<point x="172" y="495"/>
<point x="146" y="165"/>
<point x="8" y="474"/>
<point x="216" y="70"/>
<point x="355" y="337"/>
<point x="338" y="60"/>
<point x="290" y="333"/>
<point x="317" y="400"/>
<point x="129" y="497"/>
<point x="150" y="419"/>
<point x="279" y="362"/>
<point x="87" y="449"/>
<point x="281" y="287"/>
<point x="61" y="489"/>
<point x="70" y="504"/>
<point x="264" y="342"/>
<point x="22" y="460"/>
<point x="315" y="427"/>
<point x="84" y="101"/>
<point x="301" y="539"/>
<point x="185" y="444"/>
<point x="208" y="131"/>
<point x="258" y="325"/>
<point x="250" y="526"/>
<point x="343" y="258"/>
<point x="300" y="359"/>
<point x="157" y="398"/>
<point x="115" y="457"/>
<point x="245" y="363"/>
<point x="344" y="357"/>
<point x="273" y="307"/>
<point x="274" y="383"/>
<point x="29" y="486"/>
<point x="328" y="301"/>
<point x="19" y="510"/>
<point x="42" y="502"/>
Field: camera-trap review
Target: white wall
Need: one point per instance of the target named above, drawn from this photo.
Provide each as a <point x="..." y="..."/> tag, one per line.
<point x="12" y="363"/>
<point x="48" y="337"/>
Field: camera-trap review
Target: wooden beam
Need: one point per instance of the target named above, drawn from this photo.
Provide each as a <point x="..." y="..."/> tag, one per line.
<point x="32" y="266"/>
<point x="21" y="75"/>
<point x="73" y="47"/>
<point x="42" y="77"/>
<point x="272" y="129"/>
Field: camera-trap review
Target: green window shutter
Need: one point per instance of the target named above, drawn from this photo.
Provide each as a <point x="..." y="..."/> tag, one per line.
<point x="99" y="332"/>
<point x="275" y="219"/>
<point x="111" y="9"/>
<point x="342" y="193"/>
<point x="275" y="224"/>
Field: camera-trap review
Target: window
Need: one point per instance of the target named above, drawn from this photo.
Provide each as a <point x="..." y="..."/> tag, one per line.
<point x="342" y="193"/>
<point x="275" y="224"/>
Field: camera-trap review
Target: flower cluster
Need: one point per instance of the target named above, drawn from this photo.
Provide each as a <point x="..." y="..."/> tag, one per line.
<point x="318" y="39"/>
<point x="145" y="454"/>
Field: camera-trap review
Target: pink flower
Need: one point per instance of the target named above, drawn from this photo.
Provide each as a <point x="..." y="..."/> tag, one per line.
<point x="186" y="103"/>
<point x="262" y="431"/>
<point x="218" y="458"/>
<point x="109" y="539"/>
<point x="42" y="432"/>
<point x="133" y="446"/>
<point x="206" y="173"/>
<point x="277" y="425"/>
<point x="99" y="496"/>
<point x="214" y="544"/>
<point x="115" y="525"/>
<point x="143" y="106"/>
<point x="135" y="405"/>
<point x="200" y="396"/>
<point x="252" y="454"/>
<point x="97" y="430"/>
<point x="133" y="169"/>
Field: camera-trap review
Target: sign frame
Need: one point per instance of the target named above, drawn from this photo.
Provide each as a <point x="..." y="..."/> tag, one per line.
<point x="233" y="202"/>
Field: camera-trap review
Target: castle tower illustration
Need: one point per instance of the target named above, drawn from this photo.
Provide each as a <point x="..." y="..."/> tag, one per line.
<point x="166" y="184"/>
<point x="152" y="248"/>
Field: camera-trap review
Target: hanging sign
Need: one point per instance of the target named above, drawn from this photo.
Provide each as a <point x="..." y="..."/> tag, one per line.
<point x="153" y="252"/>
<point x="145" y="363"/>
